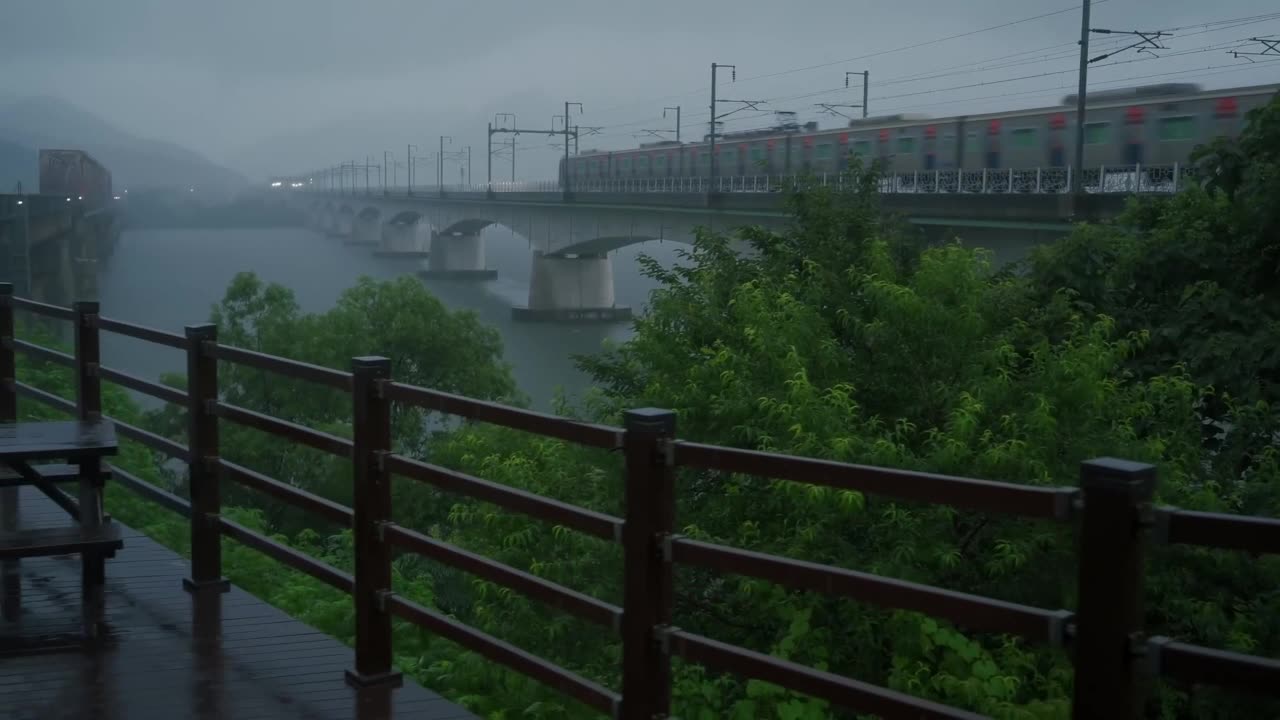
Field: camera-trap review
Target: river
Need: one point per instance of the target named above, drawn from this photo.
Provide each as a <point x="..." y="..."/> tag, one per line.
<point x="169" y="278"/>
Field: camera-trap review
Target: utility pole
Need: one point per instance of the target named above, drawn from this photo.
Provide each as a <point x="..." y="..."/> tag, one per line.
<point x="468" y="166"/>
<point x="367" y="162"/>
<point x="866" y="81"/>
<point x="1077" y="178"/>
<point x="408" y="164"/>
<point x="664" y="115"/>
<point x="440" y="164"/>
<point x="1148" y="41"/>
<point x="743" y="105"/>
<point x="385" y="162"/>
<point x="566" y="141"/>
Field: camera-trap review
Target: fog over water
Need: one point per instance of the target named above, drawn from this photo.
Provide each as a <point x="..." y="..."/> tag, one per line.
<point x="170" y="278"/>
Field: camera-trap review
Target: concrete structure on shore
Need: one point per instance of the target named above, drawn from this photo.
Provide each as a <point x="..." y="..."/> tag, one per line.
<point x="50" y="246"/>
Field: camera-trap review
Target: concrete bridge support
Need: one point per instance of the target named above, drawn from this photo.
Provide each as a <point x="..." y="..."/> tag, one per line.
<point x="405" y="236"/>
<point x="366" y="228"/>
<point x="565" y="287"/>
<point x="458" y="255"/>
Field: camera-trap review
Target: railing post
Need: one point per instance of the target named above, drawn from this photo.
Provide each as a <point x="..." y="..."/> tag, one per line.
<point x="10" y="585"/>
<point x="8" y="370"/>
<point x="1108" y="636"/>
<point x="1039" y="179"/>
<point x="371" y="493"/>
<point x="1176" y="170"/>
<point x="88" y="360"/>
<point x="647" y="586"/>
<point x="1137" y="177"/>
<point x="203" y="474"/>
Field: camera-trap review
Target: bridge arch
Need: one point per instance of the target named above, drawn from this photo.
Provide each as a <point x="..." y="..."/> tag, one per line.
<point x="369" y="213"/>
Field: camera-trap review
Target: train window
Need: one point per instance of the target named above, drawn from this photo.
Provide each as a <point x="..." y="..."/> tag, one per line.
<point x="906" y="144"/>
<point x="728" y="156"/>
<point x="1097" y="133"/>
<point x="626" y="164"/>
<point x="861" y="147"/>
<point x="1024" y="137"/>
<point x="757" y="154"/>
<point x="1173" y="129"/>
<point x="642" y="163"/>
<point x="824" y="151"/>
<point x="948" y="139"/>
<point x="660" y="162"/>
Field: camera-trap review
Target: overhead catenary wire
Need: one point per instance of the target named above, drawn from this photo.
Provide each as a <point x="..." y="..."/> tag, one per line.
<point x="1204" y="27"/>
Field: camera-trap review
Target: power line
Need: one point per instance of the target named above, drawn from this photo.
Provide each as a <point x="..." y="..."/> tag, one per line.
<point x="889" y="51"/>
<point x="1206" y="27"/>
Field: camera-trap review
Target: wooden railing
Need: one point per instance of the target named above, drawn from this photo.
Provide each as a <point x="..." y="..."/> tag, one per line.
<point x="1111" y="507"/>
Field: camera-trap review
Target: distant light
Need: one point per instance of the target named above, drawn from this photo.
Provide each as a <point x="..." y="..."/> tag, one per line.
<point x="117" y="197"/>
<point x="126" y="192"/>
<point x="79" y="197"/>
<point x="19" y="202"/>
<point x="68" y="199"/>
<point x="276" y="184"/>
<point x="192" y="190"/>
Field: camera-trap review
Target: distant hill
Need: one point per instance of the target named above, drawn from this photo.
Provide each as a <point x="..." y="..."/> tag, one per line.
<point x="17" y="165"/>
<point x="29" y="123"/>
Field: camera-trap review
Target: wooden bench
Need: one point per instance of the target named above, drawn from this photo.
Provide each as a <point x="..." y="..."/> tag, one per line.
<point x="55" y="473"/>
<point x="59" y="541"/>
<point x="76" y="449"/>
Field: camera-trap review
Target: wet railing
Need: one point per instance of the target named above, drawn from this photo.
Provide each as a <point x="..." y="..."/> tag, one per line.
<point x="1112" y="509"/>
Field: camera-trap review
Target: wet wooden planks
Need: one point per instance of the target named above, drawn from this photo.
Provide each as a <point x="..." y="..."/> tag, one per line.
<point x="168" y="654"/>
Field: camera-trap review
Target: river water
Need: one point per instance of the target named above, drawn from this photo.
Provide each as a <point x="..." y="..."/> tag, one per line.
<point x="169" y="278"/>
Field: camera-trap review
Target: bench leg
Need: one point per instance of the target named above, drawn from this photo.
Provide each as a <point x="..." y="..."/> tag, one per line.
<point x="10" y="570"/>
<point x="93" y="564"/>
<point x="92" y="593"/>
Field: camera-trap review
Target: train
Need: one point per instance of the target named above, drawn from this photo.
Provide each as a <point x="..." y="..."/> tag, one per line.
<point x="75" y="174"/>
<point x="1142" y="125"/>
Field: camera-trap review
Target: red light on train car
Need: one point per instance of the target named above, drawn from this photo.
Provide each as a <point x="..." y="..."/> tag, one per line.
<point x="1226" y="107"/>
<point x="1135" y="115"/>
<point x="808" y="141"/>
<point x="844" y="138"/>
<point x="884" y="136"/>
<point x="1058" y="122"/>
<point x="770" y="143"/>
<point x="993" y="127"/>
<point x="930" y="132"/>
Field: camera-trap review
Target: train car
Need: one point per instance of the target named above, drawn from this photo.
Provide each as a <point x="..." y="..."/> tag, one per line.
<point x="1146" y="125"/>
<point x="75" y="174"/>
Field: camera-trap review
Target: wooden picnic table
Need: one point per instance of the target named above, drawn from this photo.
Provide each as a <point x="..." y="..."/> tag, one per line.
<point x="67" y="451"/>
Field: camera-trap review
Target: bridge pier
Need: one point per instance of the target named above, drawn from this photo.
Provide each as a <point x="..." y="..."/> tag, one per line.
<point x="459" y="256"/>
<point x="402" y="239"/>
<point x="366" y="229"/>
<point x="342" y="224"/>
<point x="565" y="287"/>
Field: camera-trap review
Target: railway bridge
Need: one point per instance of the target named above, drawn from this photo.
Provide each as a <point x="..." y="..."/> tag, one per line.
<point x="571" y="235"/>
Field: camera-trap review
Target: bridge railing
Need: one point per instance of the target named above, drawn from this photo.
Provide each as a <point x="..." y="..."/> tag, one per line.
<point x="1107" y="179"/>
<point x="1111" y="507"/>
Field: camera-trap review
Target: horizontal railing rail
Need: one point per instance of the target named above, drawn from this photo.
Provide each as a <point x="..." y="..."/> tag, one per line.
<point x="1111" y="509"/>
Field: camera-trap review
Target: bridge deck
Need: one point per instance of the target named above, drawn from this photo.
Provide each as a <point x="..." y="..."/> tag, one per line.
<point x="168" y="655"/>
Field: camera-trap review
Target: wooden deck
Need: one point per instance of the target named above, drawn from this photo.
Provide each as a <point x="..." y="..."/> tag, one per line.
<point x="167" y="655"/>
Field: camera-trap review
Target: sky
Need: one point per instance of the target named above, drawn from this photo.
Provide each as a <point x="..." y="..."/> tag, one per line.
<point x="286" y="86"/>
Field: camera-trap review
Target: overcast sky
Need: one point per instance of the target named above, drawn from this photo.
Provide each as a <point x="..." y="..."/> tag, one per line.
<point x="287" y="85"/>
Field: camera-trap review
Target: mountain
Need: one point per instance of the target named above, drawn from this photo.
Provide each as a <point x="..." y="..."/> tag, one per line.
<point x="35" y="122"/>
<point x="17" y="165"/>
